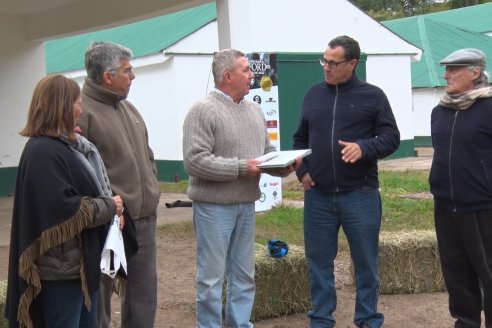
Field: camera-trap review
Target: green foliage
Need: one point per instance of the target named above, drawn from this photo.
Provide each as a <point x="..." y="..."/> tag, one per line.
<point x="292" y="190"/>
<point x="383" y="15"/>
<point x="178" y="187"/>
<point x="391" y="9"/>
<point x="3" y="298"/>
<point x="290" y="194"/>
<point x="410" y="181"/>
<point x="465" y="3"/>
<point x="382" y="10"/>
<point x="178" y="229"/>
<point x="400" y="211"/>
<point x="284" y="223"/>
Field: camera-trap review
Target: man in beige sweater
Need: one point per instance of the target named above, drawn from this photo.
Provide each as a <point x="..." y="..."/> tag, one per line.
<point x="222" y="135"/>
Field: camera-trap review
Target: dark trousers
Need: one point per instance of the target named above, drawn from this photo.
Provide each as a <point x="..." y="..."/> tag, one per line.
<point x="139" y="295"/>
<point x="465" y="250"/>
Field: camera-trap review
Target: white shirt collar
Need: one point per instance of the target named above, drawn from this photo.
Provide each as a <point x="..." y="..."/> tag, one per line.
<point x="227" y="96"/>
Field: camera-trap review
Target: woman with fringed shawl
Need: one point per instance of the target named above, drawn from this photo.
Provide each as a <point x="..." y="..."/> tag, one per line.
<point x="59" y="216"/>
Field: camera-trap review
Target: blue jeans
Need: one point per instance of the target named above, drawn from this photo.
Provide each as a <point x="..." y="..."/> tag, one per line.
<point x="225" y="246"/>
<point x="63" y="306"/>
<point x="359" y="214"/>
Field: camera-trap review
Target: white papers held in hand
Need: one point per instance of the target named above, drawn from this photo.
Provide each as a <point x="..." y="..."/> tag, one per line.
<point x="113" y="254"/>
<point x="278" y="159"/>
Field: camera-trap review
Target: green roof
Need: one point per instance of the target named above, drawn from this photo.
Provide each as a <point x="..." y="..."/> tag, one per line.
<point x="144" y="37"/>
<point x="474" y="18"/>
<point x="437" y="40"/>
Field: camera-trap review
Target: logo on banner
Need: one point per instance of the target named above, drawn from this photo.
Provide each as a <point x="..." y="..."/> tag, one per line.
<point x="264" y="68"/>
<point x="273" y="136"/>
<point x="264" y="91"/>
<point x="258" y="66"/>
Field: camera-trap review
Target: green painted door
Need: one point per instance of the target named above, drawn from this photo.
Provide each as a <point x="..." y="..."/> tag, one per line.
<point x="296" y="73"/>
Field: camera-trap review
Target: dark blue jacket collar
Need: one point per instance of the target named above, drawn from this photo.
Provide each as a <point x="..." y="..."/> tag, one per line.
<point x="348" y="85"/>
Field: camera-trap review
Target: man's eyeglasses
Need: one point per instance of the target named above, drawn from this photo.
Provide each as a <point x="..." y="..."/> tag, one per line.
<point x="332" y="64"/>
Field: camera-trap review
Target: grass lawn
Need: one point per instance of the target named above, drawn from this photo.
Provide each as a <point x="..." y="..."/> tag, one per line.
<point x="406" y="206"/>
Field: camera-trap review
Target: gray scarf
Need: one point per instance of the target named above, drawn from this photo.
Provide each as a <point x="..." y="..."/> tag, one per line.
<point x="90" y="158"/>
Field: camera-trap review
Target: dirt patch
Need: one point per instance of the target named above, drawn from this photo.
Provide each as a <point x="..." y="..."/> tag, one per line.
<point x="176" y="295"/>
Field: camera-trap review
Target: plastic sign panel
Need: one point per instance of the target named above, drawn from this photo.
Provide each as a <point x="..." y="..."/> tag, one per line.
<point x="264" y="91"/>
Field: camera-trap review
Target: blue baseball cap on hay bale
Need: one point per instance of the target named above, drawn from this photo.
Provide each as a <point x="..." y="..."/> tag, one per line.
<point x="277" y="248"/>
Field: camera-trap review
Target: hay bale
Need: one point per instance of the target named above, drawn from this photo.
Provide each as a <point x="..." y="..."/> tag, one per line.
<point x="281" y="283"/>
<point x="3" y="296"/>
<point x="409" y="263"/>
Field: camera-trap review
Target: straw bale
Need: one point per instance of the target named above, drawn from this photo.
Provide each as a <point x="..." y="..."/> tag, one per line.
<point x="3" y="295"/>
<point x="409" y="263"/>
<point x="281" y="283"/>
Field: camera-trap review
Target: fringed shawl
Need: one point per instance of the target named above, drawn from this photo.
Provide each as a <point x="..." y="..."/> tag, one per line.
<point x="52" y="204"/>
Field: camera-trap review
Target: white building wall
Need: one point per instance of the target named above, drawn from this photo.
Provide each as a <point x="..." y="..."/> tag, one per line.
<point x="167" y="84"/>
<point x="296" y="26"/>
<point x="21" y="67"/>
<point x="424" y="101"/>
<point x="164" y="93"/>
<point x="393" y="75"/>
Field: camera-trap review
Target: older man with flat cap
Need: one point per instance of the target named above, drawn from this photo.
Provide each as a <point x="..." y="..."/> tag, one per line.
<point x="461" y="182"/>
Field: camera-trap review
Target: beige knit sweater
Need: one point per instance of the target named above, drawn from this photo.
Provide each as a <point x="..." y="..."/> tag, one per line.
<point x="219" y="136"/>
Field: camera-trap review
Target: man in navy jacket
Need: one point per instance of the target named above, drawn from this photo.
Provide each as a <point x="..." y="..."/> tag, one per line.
<point x="461" y="183"/>
<point x="349" y="125"/>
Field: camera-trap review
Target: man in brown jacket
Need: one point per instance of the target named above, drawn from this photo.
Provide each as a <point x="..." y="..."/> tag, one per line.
<point x="118" y="131"/>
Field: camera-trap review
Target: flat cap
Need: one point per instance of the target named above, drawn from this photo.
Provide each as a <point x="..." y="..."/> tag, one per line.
<point x="465" y="57"/>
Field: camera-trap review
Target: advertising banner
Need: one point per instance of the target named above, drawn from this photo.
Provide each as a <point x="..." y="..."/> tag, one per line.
<point x="264" y="91"/>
